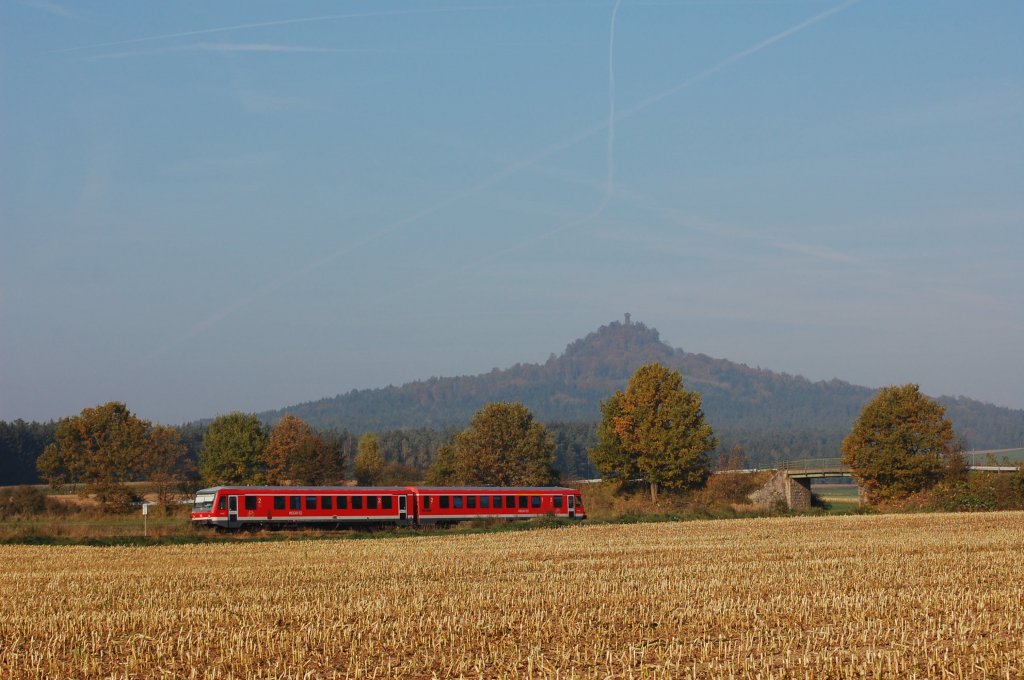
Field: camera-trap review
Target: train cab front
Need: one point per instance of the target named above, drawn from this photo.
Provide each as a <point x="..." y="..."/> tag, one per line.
<point x="202" y="506"/>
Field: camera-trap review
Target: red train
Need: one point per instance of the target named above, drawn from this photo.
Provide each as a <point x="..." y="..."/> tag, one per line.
<point x="232" y="507"/>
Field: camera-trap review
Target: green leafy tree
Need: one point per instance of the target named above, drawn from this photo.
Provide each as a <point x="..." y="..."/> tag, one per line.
<point x="103" y="447"/>
<point x="444" y="471"/>
<point x="655" y="429"/>
<point x="165" y="462"/>
<point x="503" y="446"/>
<point x="368" y="466"/>
<point x="901" y="443"/>
<point x="232" y="450"/>
<point x="399" y="474"/>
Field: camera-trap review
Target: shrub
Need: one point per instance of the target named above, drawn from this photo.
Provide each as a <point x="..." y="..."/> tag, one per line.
<point x="729" y="489"/>
<point x="22" y="500"/>
<point x="975" y="492"/>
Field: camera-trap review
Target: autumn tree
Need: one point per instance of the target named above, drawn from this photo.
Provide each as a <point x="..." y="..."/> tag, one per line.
<point x="609" y="455"/>
<point x="368" y="466"/>
<point x="318" y="460"/>
<point x="165" y="463"/>
<point x="103" y="448"/>
<point x="900" y="444"/>
<point x="655" y="430"/>
<point x="232" y="450"/>
<point x="503" y="446"/>
<point x="290" y="433"/>
<point x="734" y="459"/>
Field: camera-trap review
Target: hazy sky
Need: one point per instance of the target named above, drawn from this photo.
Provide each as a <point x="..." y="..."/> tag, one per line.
<point x="207" y="207"/>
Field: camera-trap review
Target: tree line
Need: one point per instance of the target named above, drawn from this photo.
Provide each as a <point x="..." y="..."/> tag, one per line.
<point x="653" y="432"/>
<point x="409" y="452"/>
<point x="107" y="447"/>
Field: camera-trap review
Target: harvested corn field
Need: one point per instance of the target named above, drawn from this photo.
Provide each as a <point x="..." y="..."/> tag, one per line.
<point x="865" y="596"/>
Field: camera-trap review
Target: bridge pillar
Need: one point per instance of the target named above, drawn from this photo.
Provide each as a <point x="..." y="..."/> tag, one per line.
<point x="796" y="493"/>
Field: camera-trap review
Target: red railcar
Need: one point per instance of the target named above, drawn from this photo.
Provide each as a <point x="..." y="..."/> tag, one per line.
<point x="232" y="507"/>
<point x="455" y="504"/>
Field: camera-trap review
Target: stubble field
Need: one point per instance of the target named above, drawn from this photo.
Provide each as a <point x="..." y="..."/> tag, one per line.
<point x="830" y="597"/>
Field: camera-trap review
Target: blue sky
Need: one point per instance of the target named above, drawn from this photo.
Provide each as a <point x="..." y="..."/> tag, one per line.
<point x="207" y="207"/>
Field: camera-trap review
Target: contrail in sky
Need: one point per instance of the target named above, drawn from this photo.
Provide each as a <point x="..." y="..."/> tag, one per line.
<point x="648" y="103"/>
<point x="306" y="20"/>
<point x="228" y="48"/>
<point x="593" y="129"/>
<point x="729" y="61"/>
<point x="611" y="103"/>
<point x="508" y="171"/>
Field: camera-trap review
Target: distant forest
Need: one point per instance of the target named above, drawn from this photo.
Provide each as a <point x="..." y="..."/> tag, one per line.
<point x="768" y="416"/>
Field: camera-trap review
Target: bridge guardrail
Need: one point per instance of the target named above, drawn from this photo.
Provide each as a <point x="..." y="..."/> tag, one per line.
<point x="838" y="464"/>
<point x="814" y="464"/>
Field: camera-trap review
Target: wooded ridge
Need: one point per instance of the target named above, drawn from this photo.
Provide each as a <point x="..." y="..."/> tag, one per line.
<point x="771" y="415"/>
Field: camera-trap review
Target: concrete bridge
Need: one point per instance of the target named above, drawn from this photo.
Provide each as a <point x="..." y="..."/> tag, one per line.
<point x="792" y="480"/>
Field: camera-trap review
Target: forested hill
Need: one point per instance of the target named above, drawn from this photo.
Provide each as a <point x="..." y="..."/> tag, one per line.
<point x="770" y="414"/>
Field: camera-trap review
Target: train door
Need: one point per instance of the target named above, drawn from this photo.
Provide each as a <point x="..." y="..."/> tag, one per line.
<point x="571" y="506"/>
<point x="232" y="508"/>
<point x="403" y="512"/>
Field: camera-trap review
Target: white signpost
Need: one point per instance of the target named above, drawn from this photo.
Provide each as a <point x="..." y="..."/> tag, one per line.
<point x="145" y="519"/>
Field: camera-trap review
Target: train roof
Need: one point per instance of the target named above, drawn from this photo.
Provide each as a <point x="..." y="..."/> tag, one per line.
<point x="484" y="487"/>
<point x="414" y="487"/>
<point x="215" y="489"/>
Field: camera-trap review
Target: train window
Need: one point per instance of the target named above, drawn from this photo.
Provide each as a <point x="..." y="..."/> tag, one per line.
<point x="579" y="501"/>
<point x="522" y="501"/>
<point x="457" y="502"/>
<point x="371" y="502"/>
<point x="250" y="502"/>
<point x="222" y="503"/>
<point x="485" y="501"/>
<point x="534" y="501"/>
<point x="326" y="502"/>
<point x="342" y="502"/>
<point x="426" y="502"/>
<point x="386" y="502"/>
<point x="557" y="500"/>
<point x="497" y="502"/>
<point x="278" y="502"/>
<point x="442" y="501"/>
<point x="470" y="501"/>
<point x="357" y="502"/>
<point x="204" y="502"/>
<point x="310" y="502"/>
<point x="295" y="502"/>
